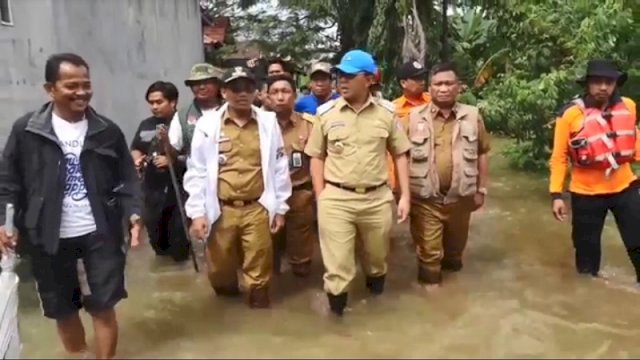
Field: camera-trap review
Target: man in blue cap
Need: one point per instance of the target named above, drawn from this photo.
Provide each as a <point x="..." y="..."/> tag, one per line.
<point x="348" y="146"/>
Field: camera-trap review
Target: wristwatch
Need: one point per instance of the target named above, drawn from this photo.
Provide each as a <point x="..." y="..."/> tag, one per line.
<point x="135" y="219"/>
<point x="482" y="190"/>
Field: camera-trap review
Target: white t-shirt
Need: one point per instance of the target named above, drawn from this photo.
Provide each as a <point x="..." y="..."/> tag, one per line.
<point x="77" y="217"/>
<point x="175" y="130"/>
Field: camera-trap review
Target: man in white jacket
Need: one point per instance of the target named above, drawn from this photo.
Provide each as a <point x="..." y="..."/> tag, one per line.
<point x="238" y="184"/>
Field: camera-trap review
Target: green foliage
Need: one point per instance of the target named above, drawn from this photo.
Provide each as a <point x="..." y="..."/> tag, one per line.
<point x="549" y="44"/>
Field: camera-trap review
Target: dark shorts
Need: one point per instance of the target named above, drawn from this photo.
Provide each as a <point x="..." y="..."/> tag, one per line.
<point x="87" y="271"/>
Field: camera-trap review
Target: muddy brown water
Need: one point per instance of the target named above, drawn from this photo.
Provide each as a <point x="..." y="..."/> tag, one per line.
<point x="517" y="296"/>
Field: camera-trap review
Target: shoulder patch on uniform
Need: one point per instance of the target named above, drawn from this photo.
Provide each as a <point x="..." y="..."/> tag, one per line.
<point x="280" y="152"/>
<point x="325" y="107"/>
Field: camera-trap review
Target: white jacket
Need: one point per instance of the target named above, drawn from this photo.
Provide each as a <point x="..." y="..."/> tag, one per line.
<point x="201" y="178"/>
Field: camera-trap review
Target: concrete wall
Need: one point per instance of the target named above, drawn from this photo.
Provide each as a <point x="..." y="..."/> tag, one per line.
<point x="127" y="43"/>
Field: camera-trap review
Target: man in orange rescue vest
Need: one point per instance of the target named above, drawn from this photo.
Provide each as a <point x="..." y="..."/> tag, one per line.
<point x="598" y="133"/>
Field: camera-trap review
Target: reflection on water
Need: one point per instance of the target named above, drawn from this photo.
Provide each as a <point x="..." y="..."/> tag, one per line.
<point x="518" y="296"/>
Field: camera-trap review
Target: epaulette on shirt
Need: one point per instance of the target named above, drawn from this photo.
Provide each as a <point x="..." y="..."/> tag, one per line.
<point x="387" y="105"/>
<point x="308" y="117"/>
<point x="325" y="107"/>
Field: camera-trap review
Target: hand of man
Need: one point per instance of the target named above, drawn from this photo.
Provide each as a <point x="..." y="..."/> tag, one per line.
<point x="277" y="224"/>
<point x="7" y="242"/>
<point x="134" y="233"/>
<point x="161" y="161"/>
<point x="404" y="205"/>
<point x="138" y="163"/>
<point x="199" y="227"/>
<point x="559" y="210"/>
<point x="163" y="134"/>
<point x="478" y="201"/>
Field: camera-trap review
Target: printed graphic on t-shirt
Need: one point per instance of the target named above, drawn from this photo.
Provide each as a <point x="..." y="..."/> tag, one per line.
<point x="75" y="190"/>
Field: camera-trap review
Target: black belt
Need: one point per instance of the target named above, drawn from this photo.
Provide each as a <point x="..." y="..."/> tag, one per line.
<point x="359" y="190"/>
<point x="305" y="186"/>
<point x="238" y="203"/>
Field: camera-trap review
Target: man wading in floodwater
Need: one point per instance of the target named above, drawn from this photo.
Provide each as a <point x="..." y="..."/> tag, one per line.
<point x="68" y="171"/>
<point x="598" y="133"/>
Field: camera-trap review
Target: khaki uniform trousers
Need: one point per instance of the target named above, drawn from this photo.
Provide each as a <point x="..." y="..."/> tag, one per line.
<point x="299" y="234"/>
<point x="240" y="238"/>
<point x="342" y="214"/>
<point x="440" y="233"/>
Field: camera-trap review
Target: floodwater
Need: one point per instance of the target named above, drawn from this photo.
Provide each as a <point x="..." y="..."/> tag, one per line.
<point x="517" y="296"/>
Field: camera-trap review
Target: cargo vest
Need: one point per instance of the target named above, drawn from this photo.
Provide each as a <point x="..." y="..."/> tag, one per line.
<point x="424" y="182"/>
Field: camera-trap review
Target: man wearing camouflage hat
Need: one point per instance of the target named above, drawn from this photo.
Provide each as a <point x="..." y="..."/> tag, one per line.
<point x="321" y="92"/>
<point x="238" y="184"/>
<point x="204" y="82"/>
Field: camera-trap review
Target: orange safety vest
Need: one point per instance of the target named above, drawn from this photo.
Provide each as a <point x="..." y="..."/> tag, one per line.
<point x="606" y="139"/>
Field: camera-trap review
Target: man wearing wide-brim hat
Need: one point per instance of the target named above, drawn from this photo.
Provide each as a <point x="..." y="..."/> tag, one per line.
<point x="205" y="83"/>
<point x="598" y="133"/>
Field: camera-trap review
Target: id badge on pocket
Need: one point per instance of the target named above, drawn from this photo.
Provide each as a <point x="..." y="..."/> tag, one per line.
<point x="296" y="159"/>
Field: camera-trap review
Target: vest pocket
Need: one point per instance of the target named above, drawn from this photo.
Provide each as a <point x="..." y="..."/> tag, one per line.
<point x="418" y="170"/>
<point x="419" y="146"/>
<point x="468" y="183"/>
<point x="470" y="154"/>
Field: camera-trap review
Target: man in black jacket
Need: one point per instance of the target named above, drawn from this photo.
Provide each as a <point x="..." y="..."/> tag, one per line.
<point x="68" y="172"/>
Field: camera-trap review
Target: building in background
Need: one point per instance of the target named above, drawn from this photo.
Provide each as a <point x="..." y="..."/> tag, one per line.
<point x="128" y="43"/>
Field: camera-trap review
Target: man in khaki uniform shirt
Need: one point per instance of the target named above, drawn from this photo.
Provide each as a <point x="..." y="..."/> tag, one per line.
<point x="348" y="147"/>
<point x="299" y="235"/>
<point x="241" y="236"/>
<point x="448" y="177"/>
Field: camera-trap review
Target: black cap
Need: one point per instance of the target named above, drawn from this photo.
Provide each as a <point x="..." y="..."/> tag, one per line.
<point x="411" y="69"/>
<point x="603" y="68"/>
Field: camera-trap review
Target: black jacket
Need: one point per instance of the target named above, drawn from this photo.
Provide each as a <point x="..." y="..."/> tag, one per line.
<point x="32" y="177"/>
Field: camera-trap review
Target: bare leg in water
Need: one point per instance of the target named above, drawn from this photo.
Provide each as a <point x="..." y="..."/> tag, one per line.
<point x="105" y="326"/>
<point x="72" y="334"/>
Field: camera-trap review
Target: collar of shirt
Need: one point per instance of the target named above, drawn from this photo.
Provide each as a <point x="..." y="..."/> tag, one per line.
<point x="293" y="120"/>
<point x="341" y="103"/>
<point x="226" y="117"/>
<point x="437" y="111"/>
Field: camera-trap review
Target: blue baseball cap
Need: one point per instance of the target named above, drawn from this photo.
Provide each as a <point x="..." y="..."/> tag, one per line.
<point x="357" y="61"/>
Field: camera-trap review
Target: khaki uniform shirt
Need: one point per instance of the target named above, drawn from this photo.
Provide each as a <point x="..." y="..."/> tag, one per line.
<point x="240" y="173"/>
<point x="295" y="134"/>
<point x="354" y="143"/>
<point x="443" y="152"/>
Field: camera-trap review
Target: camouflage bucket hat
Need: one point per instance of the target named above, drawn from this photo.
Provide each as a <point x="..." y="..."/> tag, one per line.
<point x="203" y="71"/>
